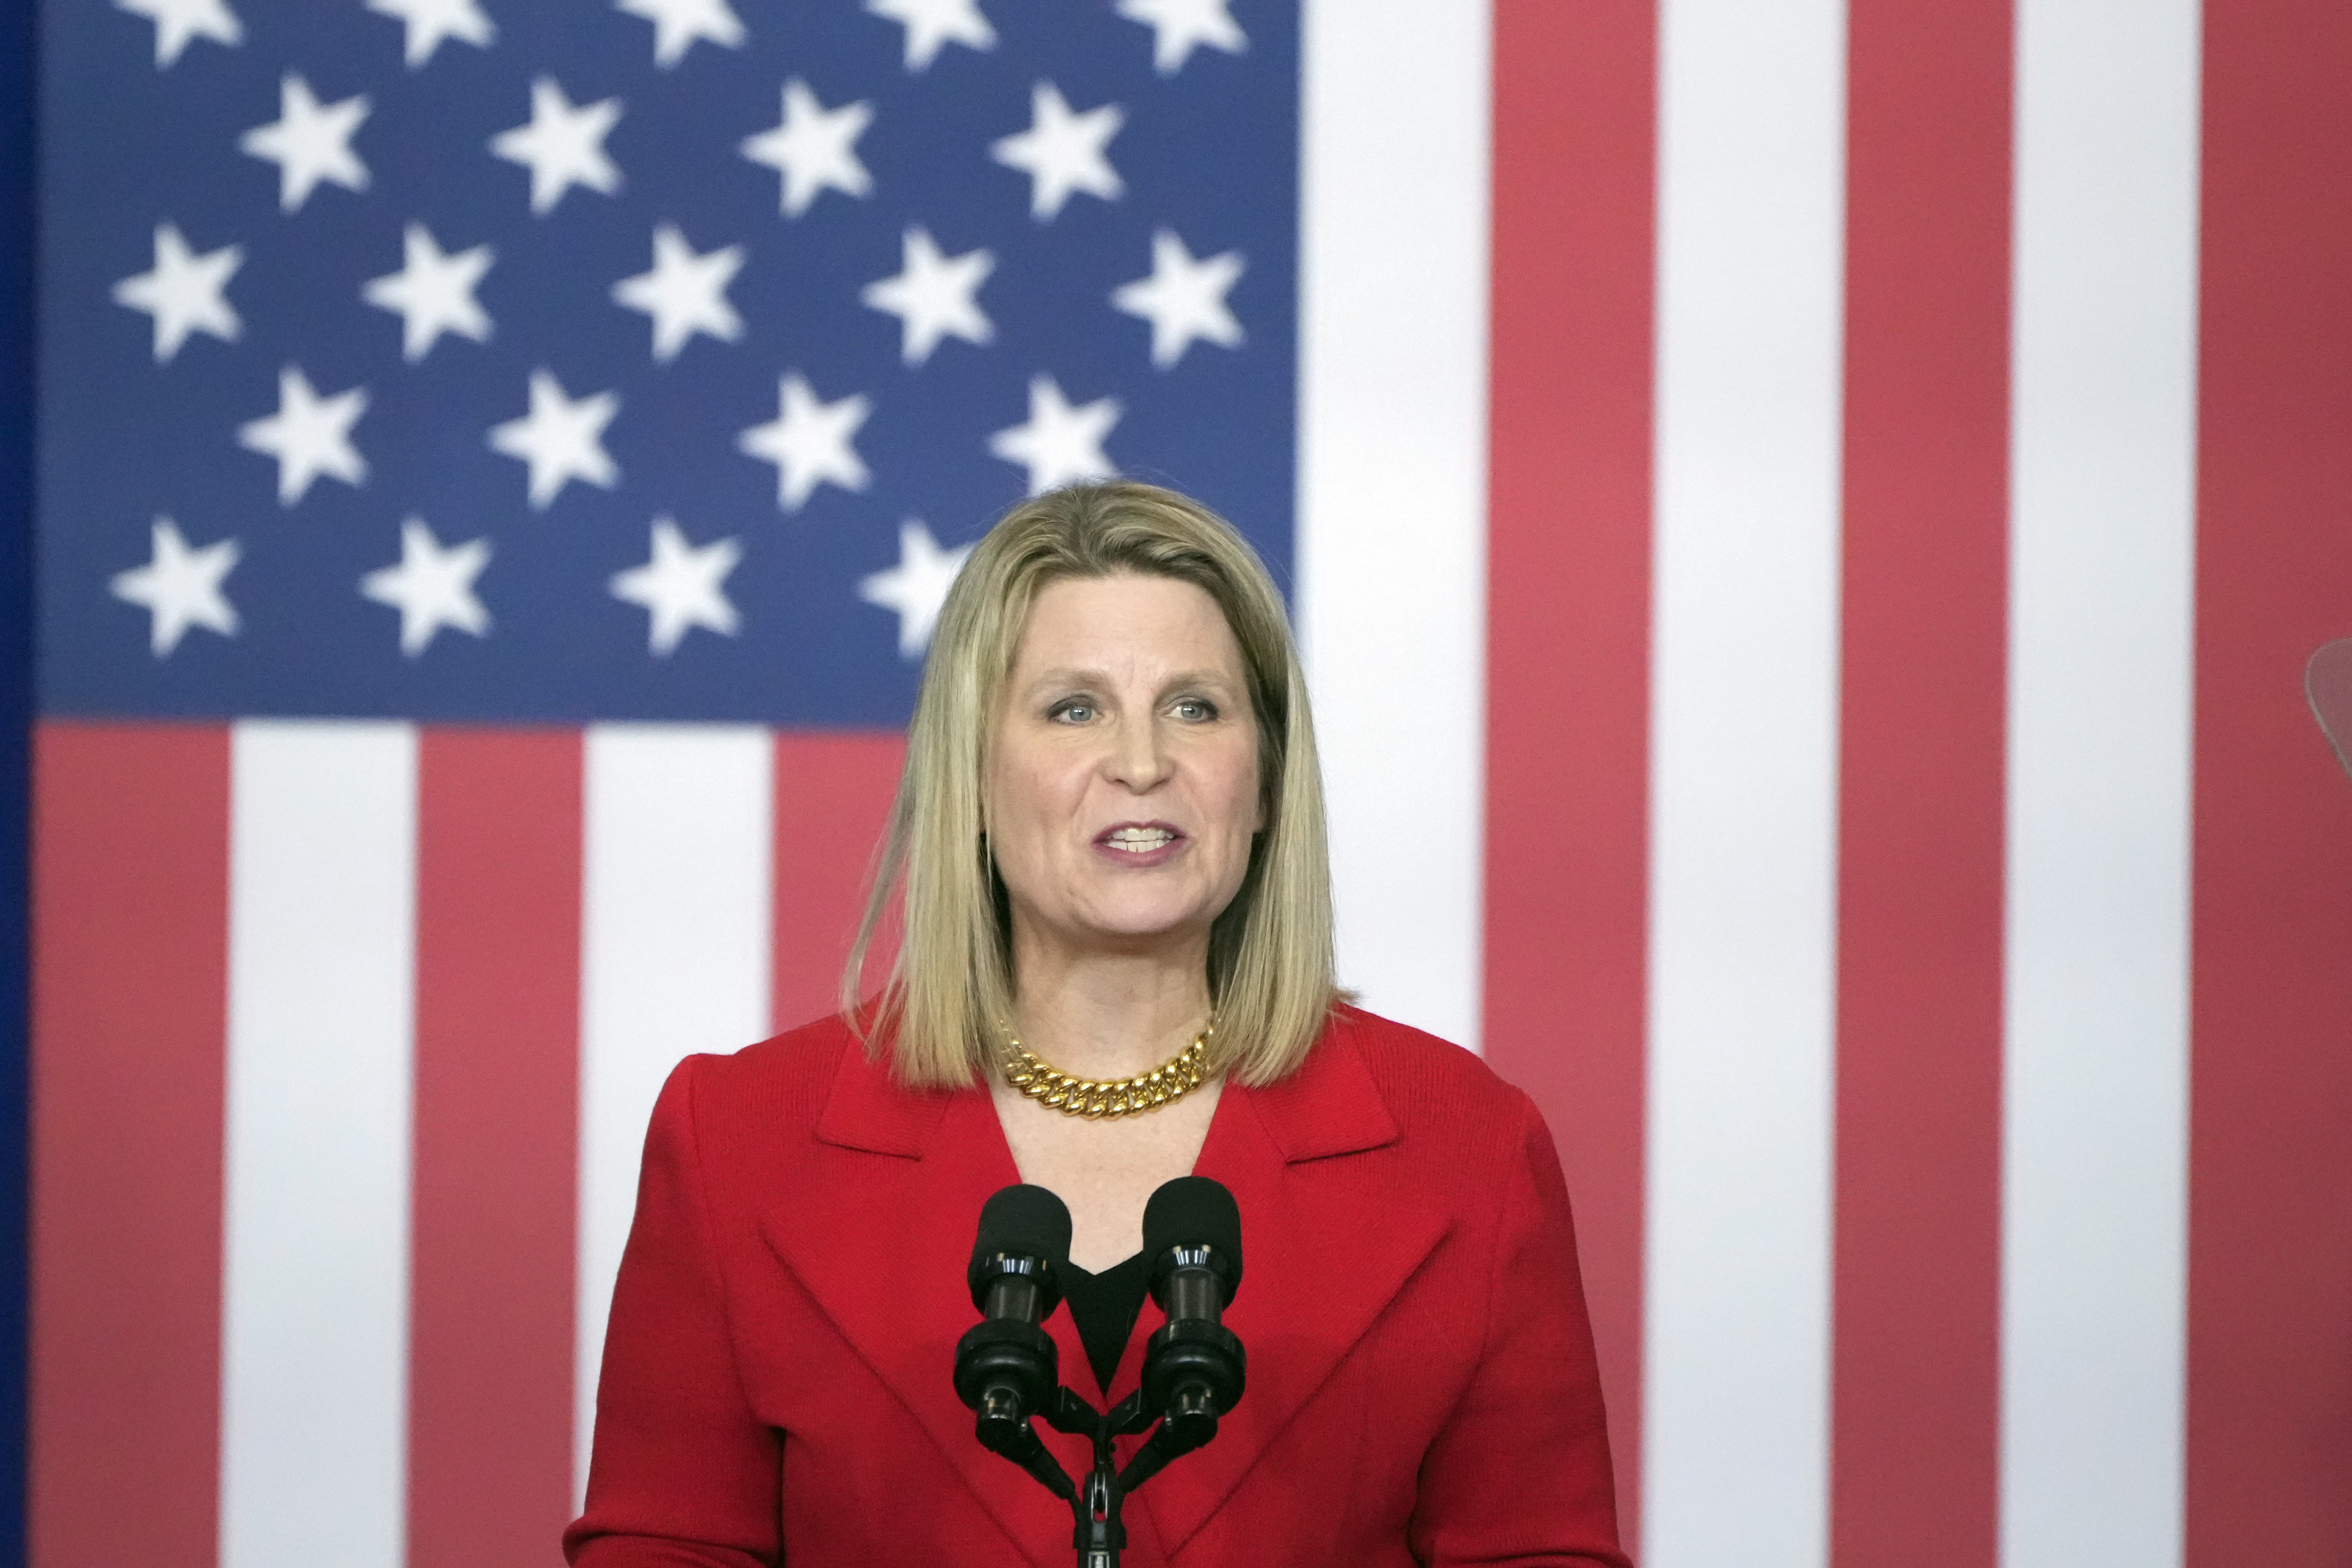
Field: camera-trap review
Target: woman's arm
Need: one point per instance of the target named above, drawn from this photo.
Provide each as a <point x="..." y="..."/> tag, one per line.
<point x="1520" y="1472"/>
<point x="684" y="1474"/>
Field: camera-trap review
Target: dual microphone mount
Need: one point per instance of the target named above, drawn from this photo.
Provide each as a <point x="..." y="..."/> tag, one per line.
<point x="1008" y="1369"/>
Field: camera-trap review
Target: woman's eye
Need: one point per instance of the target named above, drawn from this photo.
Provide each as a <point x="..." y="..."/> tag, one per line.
<point x="1073" y="712"/>
<point x="1195" y="711"/>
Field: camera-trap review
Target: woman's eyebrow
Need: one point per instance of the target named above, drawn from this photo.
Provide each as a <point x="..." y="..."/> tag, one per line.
<point x="1096" y="680"/>
<point x="1063" y="677"/>
<point x="1197" y="678"/>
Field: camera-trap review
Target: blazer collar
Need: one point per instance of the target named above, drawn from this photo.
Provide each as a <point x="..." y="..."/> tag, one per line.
<point x="1331" y="1105"/>
<point x="1332" y="1224"/>
<point x="867" y="1108"/>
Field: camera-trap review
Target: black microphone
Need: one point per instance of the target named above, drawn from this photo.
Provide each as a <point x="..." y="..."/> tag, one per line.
<point x="1194" y="1367"/>
<point x="1007" y="1368"/>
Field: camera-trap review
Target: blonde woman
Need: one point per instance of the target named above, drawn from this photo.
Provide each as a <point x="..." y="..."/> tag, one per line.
<point x="1107" y="857"/>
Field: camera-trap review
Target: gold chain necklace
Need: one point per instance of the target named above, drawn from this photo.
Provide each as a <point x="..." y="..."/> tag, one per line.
<point x="1166" y="1084"/>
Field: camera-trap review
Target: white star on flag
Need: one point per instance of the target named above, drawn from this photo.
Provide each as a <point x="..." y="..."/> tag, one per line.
<point x="432" y="294"/>
<point x="179" y="21"/>
<point x="932" y="296"/>
<point x="677" y="24"/>
<point x="916" y="587"/>
<point x="184" y="291"/>
<point x="432" y="587"/>
<point x="1183" y="299"/>
<point x="1060" y="444"/>
<point x="813" y="148"/>
<point x="1178" y="25"/>
<point x="684" y="293"/>
<point x="932" y="25"/>
<point x="809" y="442"/>
<point x="309" y="142"/>
<point x="431" y="21"/>
<point x="563" y="146"/>
<point x="1062" y="152"/>
<point x="309" y="436"/>
<point x="561" y="438"/>
<point x="179" y="587"/>
<point x="680" y="587"/>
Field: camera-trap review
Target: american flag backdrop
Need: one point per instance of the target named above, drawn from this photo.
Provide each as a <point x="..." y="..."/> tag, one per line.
<point x="1805" y="520"/>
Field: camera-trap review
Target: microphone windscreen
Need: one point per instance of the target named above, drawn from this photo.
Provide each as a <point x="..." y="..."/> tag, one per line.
<point x="1193" y="1211"/>
<point x="1025" y="1220"/>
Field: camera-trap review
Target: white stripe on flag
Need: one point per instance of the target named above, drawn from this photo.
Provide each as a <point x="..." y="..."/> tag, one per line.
<point x="1743" y="783"/>
<point x="314" y="1375"/>
<point x="673" y="946"/>
<point x="2102" y="601"/>
<point x="1390" y="594"/>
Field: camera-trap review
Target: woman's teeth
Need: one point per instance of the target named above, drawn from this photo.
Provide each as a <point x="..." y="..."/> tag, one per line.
<point x="1140" y="840"/>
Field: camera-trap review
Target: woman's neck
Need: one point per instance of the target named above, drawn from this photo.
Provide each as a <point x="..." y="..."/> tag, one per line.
<point x="1107" y="1015"/>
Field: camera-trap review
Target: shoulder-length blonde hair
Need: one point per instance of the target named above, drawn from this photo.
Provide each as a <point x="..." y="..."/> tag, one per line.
<point x="951" y="989"/>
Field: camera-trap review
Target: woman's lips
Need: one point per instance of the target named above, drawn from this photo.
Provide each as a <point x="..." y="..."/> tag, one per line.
<point x="1139" y="843"/>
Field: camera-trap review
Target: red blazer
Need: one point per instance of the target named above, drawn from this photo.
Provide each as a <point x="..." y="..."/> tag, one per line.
<point x="1421" y="1386"/>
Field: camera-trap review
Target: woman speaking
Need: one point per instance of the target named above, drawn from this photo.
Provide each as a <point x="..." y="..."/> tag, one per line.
<point x="1115" y="968"/>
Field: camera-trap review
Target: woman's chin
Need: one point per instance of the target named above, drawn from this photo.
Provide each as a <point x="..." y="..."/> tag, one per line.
<point x="1139" y="928"/>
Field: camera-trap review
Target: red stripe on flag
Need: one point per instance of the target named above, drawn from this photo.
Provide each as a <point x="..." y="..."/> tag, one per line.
<point x="833" y="795"/>
<point x="2269" y="1293"/>
<point x="497" y="1175"/>
<point x="1568" y="627"/>
<point x="1915" y="1397"/>
<point x="129" y="1026"/>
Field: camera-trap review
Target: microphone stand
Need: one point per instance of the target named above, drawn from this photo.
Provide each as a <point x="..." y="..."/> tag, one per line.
<point x="1188" y="1421"/>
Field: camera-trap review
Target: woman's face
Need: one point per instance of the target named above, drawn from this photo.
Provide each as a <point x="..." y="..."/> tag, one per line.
<point x="1122" y="786"/>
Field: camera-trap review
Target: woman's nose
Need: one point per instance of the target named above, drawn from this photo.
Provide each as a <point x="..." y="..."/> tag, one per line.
<point x="1138" y="760"/>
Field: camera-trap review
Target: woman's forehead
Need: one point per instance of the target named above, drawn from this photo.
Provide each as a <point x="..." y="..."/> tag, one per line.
<point x="1111" y="624"/>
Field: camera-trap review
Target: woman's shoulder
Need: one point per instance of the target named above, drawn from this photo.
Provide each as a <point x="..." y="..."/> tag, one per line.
<point x="1416" y="1059"/>
<point x="1435" y="1111"/>
<point x="1430" y="1085"/>
<point x="785" y="1079"/>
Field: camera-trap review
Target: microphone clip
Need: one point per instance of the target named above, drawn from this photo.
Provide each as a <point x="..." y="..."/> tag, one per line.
<point x="1186" y="1409"/>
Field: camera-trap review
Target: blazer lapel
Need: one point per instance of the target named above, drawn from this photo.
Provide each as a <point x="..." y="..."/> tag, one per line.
<point x="921" y="1166"/>
<point x="1331" y="1229"/>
